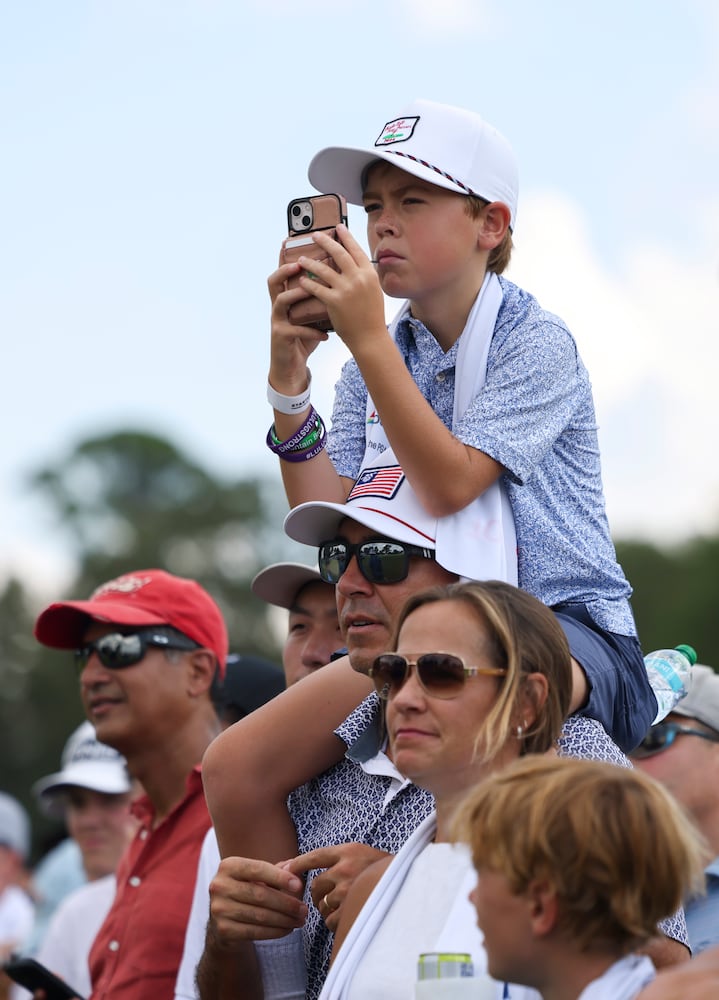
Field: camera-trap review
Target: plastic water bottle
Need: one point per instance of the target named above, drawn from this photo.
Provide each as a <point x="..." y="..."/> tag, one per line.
<point x="669" y="672"/>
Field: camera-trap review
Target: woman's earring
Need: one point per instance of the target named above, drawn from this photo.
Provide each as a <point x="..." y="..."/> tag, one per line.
<point x="519" y="731"/>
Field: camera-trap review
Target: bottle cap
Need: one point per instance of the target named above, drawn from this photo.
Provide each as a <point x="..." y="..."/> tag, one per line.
<point x="689" y="652"/>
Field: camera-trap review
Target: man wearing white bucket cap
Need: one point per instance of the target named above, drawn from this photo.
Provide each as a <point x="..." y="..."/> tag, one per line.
<point x="378" y="548"/>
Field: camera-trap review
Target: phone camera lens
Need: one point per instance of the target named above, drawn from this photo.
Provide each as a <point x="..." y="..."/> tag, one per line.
<point x="296" y="210"/>
<point x="306" y="221"/>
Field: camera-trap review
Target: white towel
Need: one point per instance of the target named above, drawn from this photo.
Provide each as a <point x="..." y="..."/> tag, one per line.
<point x="370" y="917"/>
<point x="478" y="542"/>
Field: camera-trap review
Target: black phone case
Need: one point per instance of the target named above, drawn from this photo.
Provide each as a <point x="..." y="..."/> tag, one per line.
<point x="34" y="976"/>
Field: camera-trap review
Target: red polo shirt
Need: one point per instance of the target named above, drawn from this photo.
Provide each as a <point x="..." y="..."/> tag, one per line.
<point x="137" y="951"/>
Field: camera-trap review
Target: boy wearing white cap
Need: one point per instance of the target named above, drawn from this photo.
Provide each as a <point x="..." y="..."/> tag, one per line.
<point x="479" y="393"/>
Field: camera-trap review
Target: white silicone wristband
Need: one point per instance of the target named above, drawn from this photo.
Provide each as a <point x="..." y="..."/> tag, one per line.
<point x="290" y="404"/>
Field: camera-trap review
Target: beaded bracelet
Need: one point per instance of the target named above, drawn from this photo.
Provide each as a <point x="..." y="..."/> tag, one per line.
<point x="290" y="404"/>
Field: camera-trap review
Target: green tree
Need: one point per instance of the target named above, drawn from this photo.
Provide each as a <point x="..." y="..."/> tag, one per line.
<point x="132" y="500"/>
<point x="676" y="594"/>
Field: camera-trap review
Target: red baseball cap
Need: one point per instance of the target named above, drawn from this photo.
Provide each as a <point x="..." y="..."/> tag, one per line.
<point x="144" y="597"/>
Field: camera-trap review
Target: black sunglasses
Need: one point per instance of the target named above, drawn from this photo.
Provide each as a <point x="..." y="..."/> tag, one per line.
<point x="118" y="650"/>
<point x="661" y="736"/>
<point x="441" y="675"/>
<point x="379" y="560"/>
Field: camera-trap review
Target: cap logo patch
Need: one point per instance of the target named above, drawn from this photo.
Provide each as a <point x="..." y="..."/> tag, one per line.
<point x="399" y="130"/>
<point x="384" y="482"/>
<point x="94" y="751"/>
<point x="122" y="585"/>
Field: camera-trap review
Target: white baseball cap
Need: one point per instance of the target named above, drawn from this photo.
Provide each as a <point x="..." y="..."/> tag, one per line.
<point x="280" y="583"/>
<point x="702" y="702"/>
<point x="381" y="499"/>
<point x="447" y="146"/>
<point x="85" y="763"/>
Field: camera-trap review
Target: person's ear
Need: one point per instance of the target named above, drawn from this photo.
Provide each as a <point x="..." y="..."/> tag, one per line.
<point x="494" y="223"/>
<point x="201" y="671"/>
<point x="543" y="907"/>
<point x="533" y="694"/>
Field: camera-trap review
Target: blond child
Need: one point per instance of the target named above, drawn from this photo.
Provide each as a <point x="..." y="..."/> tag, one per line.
<point x="577" y="862"/>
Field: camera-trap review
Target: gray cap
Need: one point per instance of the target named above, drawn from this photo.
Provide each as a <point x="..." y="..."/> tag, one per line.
<point x="14" y="825"/>
<point x="702" y="702"/>
<point x="85" y="763"/>
<point x="280" y="583"/>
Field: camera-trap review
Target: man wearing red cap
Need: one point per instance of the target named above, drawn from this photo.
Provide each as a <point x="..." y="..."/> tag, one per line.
<point x="148" y="646"/>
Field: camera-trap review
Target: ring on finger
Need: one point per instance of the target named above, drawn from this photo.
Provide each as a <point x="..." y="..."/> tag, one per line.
<point x="327" y="903"/>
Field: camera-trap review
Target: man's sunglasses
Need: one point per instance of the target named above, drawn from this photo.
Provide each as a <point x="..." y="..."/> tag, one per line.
<point x="379" y="560"/>
<point x="661" y="736"/>
<point x="441" y="675"/>
<point x="118" y="650"/>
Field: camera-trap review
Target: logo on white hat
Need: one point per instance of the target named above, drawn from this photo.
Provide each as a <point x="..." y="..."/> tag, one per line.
<point x="399" y="130"/>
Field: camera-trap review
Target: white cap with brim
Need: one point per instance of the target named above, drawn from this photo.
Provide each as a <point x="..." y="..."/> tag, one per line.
<point x="86" y="763"/>
<point x="381" y="500"/>
<point x="280" y="583"/>
<point x="702" y="702"/>
<point x="444" y="145"/>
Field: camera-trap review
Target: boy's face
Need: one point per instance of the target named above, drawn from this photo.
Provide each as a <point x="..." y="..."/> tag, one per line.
<point x="504" y="919"/>
<point x="422" y="237"/>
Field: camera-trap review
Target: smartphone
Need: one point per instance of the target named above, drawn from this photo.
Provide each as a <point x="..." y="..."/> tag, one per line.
<point x="34" y="976"/>
<point x="322" y="212"/>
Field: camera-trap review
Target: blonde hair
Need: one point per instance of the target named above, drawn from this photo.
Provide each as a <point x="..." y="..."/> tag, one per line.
<point x="616" y="848"/>
<point x="524" y="637"/>
<point x="500" y="256"/>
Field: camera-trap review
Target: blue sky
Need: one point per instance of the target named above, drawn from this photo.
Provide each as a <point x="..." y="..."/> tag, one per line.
<point x="150" y="149"/>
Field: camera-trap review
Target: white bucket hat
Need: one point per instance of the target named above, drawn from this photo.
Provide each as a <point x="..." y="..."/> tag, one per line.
<point x="447" y="146"/>
<point x="85" y="763"/>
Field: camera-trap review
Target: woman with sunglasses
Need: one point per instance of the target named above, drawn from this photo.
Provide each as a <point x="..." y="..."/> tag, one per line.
<point x="480" y="676"/>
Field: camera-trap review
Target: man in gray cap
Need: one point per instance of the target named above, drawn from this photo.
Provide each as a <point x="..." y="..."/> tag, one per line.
<point x="313" y="631"/>
<point x="313" y="636"/>
<point x="682" y="752"/>
<point x="16" y="910"/>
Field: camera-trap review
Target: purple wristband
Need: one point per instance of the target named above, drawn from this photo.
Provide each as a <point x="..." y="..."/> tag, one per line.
<point x="308" y="453"/>
<point x="280" y="449"/>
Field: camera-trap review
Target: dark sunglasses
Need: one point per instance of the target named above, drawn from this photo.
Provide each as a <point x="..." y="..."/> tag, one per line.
<point x="661" y="736"/>
<point x="117" y="650"/>
<point x="441" y="675"/>
<point x="379" y="560"/>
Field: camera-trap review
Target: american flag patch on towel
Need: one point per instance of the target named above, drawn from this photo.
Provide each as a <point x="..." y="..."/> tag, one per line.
<point x="382" y="482"/>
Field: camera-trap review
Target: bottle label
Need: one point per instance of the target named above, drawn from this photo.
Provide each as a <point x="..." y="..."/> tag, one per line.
<point x="445" y="965"/>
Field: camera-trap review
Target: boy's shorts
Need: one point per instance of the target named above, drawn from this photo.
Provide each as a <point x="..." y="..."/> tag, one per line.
<point x="620" y="696"/>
